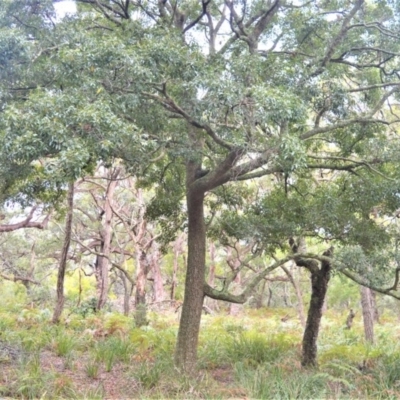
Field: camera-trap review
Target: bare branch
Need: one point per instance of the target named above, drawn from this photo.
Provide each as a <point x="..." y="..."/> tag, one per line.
<point x="27" y="223"/>
<point x="170" y="105"/>
<point x="338" y="38"/>
<point x="203" y="12"/>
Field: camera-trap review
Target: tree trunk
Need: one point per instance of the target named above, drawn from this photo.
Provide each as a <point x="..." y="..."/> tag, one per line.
<point x="211" y="303"/>
<point x="128" y="288"/>
<point x="299" y="296"/>
<point x="177" y="251"/>
<point x="350" y="318"/>
<point x="319" y="285"/>
<point x="64" y="255"/>
<point x="234" y="309"/>
<point x="159" y="293"/>
<point x="261" y="295"/>
<point x="374" y="306"/>
<point x="368" y="314"/>
<point x="269" y="297"/>
<point x="102" y="262"/>
<point x="143" y="269"/>
<point x="234" y="263"/>
<point x="189" y="327"/>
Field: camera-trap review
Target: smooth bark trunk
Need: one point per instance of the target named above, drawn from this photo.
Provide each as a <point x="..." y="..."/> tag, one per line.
<point x="143" y="269"/>
<point x="296" y="286"/>
<point x="64" y="256"/>
<point x="159" y="293"/>
<point x="269" y="297"/>
<point x="234" y="309"/>
<point x="102" y="262"/>
<point x="209" y="302"/>
<point x="177" y="251"/>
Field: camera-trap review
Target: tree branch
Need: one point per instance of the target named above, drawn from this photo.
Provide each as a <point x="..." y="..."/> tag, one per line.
<point x="27" y="223"/>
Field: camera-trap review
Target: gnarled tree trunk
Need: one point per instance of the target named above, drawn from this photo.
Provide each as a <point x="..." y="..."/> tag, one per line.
<point x="319" y="286"/>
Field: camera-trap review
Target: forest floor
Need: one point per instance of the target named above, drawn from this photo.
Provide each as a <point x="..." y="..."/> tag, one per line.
<point x="252" y="355"/>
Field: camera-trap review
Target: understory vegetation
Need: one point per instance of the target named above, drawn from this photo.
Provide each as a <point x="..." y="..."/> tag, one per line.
<point x="252" y="355"/>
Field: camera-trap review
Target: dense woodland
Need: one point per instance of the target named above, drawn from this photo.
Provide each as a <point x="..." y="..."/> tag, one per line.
<point x="199" y="199"/>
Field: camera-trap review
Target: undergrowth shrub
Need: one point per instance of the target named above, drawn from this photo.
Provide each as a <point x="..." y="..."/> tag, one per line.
<point x="149" y="373"/>
<point x="345" y="353"/>
<point x="36" y="338"/>
<point x="212" y="351"/>
<point x="92" y="369"/>
<point x="254" y="348"/>
<point x="7" y="322"/>
<point x="87" y="307"/>
<point x="386" y="372"/>
<point x="111" y="350"/>
<point x="63" y="343"/>
<point x="115" y="323"/>
<point x="149" y="342"/>
<point x="272" y="382"/>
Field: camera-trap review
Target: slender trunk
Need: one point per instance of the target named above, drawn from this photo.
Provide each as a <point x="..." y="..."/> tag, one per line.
<point x="234" y="309"/>
<point x="78" y="303"/>
<point x="159" y="293"/>
<point x="106" y="234"/>
<point x="189" y="327"/>
<point x="64" y="255"/>
<point x="32" y="266"/>
<point x="368" y="314"/>
<point x="374" y="306"/>
<point x="140" y="296"/>
<point x="319" y="286"/>
<point x="300" y="306"/>
<point x="233" y="261"/>
<point x="177" y="251"/>
<point x="285" y="295"/>
<point x="350" y="318"/>
<point x="261" y="296"/>
<point x="269" y="297"/>
<point x="174" y="274"/>
<point x="211" y="303"/>
<point x="128" y="288"/>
